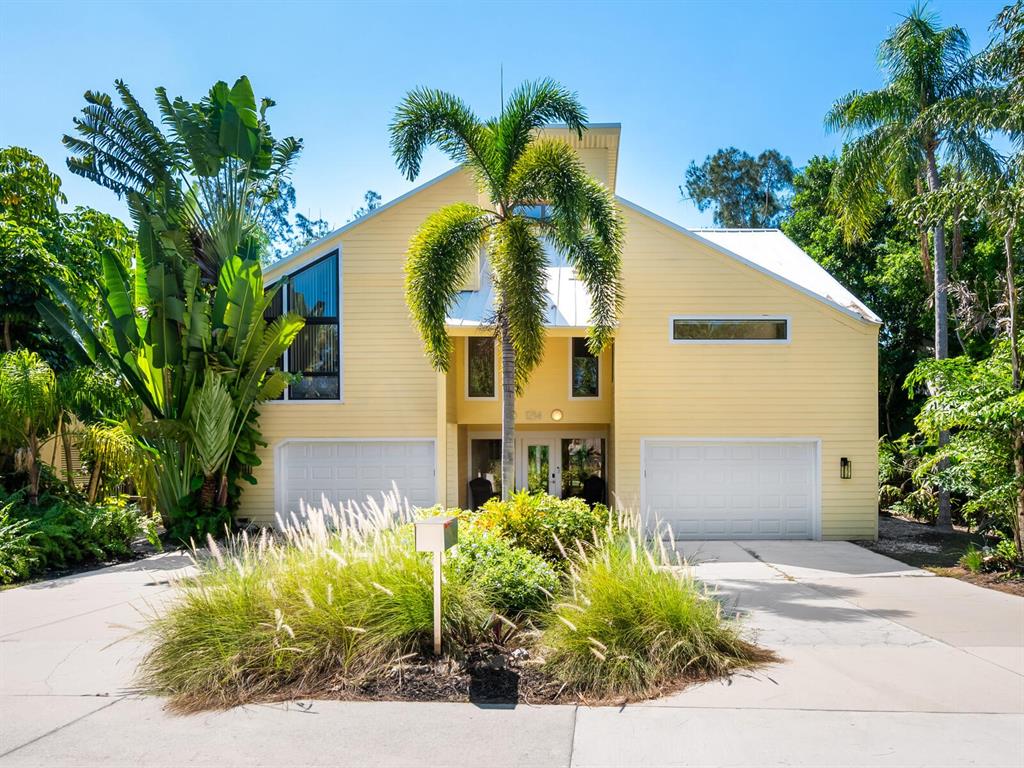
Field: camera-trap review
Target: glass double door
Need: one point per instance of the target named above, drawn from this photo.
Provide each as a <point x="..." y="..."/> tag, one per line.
<point x="562" y="464"/>
<point x="540" y="470"/>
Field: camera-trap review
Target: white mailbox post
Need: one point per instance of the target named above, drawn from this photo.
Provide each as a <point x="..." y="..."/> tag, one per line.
<point x="436" y="534"/>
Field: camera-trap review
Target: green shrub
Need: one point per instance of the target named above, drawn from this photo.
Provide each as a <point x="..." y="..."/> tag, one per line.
<point x="63" y="532"/>
<point x="973" y="559"/>
<point x="512" y="578"/>
<point x="317" y="611"/>
<point x="633" y="624"/>
<point x="16" y="552"/>
<point x="535" y="521"/>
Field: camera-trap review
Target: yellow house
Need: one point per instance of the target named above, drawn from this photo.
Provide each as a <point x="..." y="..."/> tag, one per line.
<point x="737" y="401"/>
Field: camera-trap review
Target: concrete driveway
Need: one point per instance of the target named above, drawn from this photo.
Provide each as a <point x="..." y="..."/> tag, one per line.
<point x="884" y="665"/>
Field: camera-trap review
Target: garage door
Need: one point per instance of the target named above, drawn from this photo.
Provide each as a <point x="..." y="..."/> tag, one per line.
<point x="343" y="470"/>
<point x="732" y="490"/>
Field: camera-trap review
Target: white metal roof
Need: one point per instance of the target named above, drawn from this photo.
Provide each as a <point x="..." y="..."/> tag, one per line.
<point x="568" y="300"/>
<point x="771" y="250"/>
<point x="766" y="250"/>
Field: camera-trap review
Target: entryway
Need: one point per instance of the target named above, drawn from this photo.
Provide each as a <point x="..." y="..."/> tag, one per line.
<point x="563" y="463"/>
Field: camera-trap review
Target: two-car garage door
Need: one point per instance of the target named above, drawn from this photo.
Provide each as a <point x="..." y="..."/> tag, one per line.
<point x="708" y="489"/>
<point x="346" y="470"/>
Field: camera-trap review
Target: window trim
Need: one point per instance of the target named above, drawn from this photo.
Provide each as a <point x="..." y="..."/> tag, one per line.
<point x="283" y="278"/>
<point x="600" y="387"/>
<point x="750" y="342"/>
<point x="476" y="398"/>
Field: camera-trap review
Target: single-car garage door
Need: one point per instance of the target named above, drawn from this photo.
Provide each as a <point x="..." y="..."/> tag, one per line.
<point x="345" y="470"/>
<point x="711" y="489"/>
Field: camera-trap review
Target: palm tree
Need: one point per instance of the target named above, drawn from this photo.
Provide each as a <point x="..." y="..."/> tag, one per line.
<point x="896" y="144"/>
<point x="514" y="167"/>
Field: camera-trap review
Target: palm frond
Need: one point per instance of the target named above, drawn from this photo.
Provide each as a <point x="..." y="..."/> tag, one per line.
<point x="428" y="117"/>
<point x="531" y="106"/>
<point x="440" y="256"/>
<point x="520" y="286"/>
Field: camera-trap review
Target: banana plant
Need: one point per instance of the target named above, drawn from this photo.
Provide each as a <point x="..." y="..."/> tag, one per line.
<point x="184" y="325"/>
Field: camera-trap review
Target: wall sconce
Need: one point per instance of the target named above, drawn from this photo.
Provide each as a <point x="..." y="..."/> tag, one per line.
<point x="845" y="468"/>
<point x="556" y="415"/>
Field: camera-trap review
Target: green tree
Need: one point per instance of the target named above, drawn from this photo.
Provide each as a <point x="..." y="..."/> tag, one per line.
<point x="882" y="268"/>
<point x="515" y="168"/>
<point x="895" y="144"/>
<point x="745" y="192"/>
<point x="286" y="229"/>
<point x="38" y="241"/>
<point x="190" y="309"/>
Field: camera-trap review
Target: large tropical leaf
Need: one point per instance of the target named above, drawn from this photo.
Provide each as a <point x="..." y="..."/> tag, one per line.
<point x="211" y="414"/>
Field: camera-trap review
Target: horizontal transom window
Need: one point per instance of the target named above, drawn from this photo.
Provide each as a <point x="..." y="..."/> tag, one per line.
<point x="739" y="330"/>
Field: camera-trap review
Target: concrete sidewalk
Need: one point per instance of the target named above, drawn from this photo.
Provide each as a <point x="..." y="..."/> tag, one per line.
<point x="885" y="666"/>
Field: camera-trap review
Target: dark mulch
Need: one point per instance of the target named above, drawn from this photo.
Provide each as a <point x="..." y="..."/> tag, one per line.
<point x="917" y="543"/>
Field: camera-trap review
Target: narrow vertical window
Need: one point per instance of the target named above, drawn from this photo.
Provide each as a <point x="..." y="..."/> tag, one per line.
<point x="480" y="366"/>
<point x="585" y="370"/>
<point x="316" y="353"/>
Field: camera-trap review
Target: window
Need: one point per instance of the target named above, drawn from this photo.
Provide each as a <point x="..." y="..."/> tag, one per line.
<point x="480" y="366"/>
<point x="538" y="211"/>
<point x="583" y="467"/>
<point x="312" y="292"/>
<point x="586" y="370"/>
<point x="770" y="330"/>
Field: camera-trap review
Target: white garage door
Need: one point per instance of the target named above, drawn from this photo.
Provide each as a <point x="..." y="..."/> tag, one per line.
<point x="345" y="470"/>
<point x="732" y="490"/>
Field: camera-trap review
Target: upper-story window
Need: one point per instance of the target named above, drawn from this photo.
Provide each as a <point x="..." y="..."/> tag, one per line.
<point x="312" y="292"/>
<point x="480" y="367"/>
<point x="730" y="330"/>
<point x="585" y="376"/>
<point x="538" y="211"/>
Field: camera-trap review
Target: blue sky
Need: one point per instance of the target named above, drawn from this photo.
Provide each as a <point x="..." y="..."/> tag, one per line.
<point x="683" y="78"/>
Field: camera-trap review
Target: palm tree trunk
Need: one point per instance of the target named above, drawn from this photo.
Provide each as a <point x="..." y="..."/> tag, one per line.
<point x="508" y="413"/>
<point x="32" y="467"/>
<point x="944" y="521"/>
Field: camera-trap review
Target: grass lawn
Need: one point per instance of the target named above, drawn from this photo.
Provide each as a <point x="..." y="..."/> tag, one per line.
<point x="919" y="544"/>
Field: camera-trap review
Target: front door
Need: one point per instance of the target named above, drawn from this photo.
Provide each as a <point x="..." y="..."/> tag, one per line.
<point x="539" y="466"/>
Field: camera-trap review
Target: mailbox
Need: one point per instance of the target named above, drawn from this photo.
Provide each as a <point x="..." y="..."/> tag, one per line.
<point x="436" y="534"/>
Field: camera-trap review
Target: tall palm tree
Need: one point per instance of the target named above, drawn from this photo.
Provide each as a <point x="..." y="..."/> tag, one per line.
<point x="896" y="144"/>
<point x="514" y="167"/>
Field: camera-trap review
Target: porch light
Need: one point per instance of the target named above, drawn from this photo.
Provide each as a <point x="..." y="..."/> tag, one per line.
<point x="556" y="415"/>
<point x="845" y="468"/>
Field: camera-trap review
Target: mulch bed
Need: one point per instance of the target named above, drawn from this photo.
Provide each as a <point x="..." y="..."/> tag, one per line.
<point x="1001" y="582"/>
<point x="919" y="544"/>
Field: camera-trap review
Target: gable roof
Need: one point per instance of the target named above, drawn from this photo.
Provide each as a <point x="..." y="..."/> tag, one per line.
<point x="770" y="252"/>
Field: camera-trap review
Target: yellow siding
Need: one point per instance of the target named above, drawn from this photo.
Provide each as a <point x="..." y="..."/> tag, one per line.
<point x="821" y="385"/>
<point x="389" y="388"/>
<point x="547" y="390"/>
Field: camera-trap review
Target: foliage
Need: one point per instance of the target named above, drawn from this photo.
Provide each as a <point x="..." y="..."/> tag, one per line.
<point x="38" y="241"/>
<point x="64" y="531"/>
<point x="893" y="131"/>
<point x="28" y="410"/>
<point x="977" y="402"/>
<point x="630" y="626"/>
<point x="512" y="578"/>
<point x="16" y="552"/>
<point x="333" y="603"/>
<point x="191" y="307"/>
<point x="543" y="524"/>
<point x="884" y="269"/>
<point x="745" y="192"/>
<point x="286" y="229"/>
<point x="1001" y="558"/>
